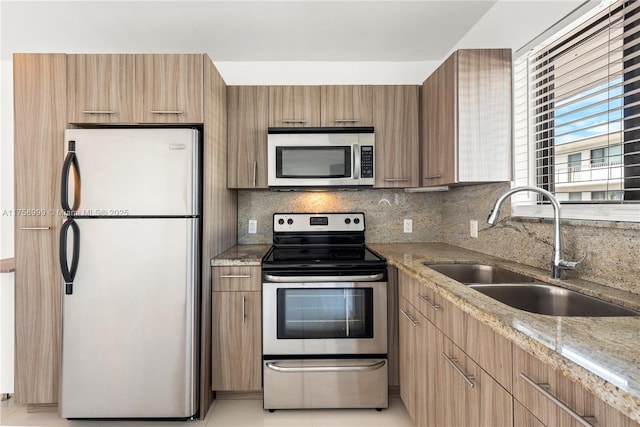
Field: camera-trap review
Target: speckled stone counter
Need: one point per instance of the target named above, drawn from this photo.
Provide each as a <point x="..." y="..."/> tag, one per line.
<point x="241" y="255"/>
<point x="600" y="353"/>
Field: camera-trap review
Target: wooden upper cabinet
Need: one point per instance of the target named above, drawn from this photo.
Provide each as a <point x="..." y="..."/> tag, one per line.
<point x="396" y="123"/>
<point x="347" y="106"/>
<point x="247" y="136"/>
<point x="171" y="87"/>
<point x="466" y="119"/>
<point x="294" y="106"/>
<point x="101" y="88"/>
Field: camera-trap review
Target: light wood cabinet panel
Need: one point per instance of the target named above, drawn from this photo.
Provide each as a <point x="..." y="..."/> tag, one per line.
<point x="392" y="326"/>
<point x="407" y="339"/>
<point x="524" y="418"/>
<point x="428" y="339"/>
<point x="396" y="122"/>
<point x="294" y="106"/>
<point x="467" y="395"/>
<point x="466" y="119"/>
<point x="247" y="136"/>
<point x="348" y="105"/>
<point x="236" y="278"/>
<point x="39" y="121"/>
<point x="236" y="351"/>
<point x="172" y="88"/>
<point x="101" y="88"/>
<point x="528" y="370"/>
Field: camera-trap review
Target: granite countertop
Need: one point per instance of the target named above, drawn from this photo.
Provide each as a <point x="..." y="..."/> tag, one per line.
<point x="241" y="255"/>
<point x="601" y="353"/>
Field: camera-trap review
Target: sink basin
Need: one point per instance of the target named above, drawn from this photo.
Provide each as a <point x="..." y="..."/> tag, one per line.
<point x="542" y="298"/>
<point x="479" y="273"/>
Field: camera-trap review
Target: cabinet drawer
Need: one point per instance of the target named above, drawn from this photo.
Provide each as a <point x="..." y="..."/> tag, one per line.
<point x="236" y="278"/>
<point x="490" y="350"/>
<point x="556" y="400"/>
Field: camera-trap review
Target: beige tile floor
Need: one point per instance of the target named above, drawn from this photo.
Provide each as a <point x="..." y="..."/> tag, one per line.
<point x="232" y="413"/>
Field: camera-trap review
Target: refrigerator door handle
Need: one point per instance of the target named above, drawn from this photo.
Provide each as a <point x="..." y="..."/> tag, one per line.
<point x="71" y="161"/>
<point x="69" y="272"/>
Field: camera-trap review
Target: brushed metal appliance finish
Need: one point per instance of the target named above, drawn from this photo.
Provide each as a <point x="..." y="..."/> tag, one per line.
<point x="301" y="222"/>
<point x="310" y="140"/>
<point x="325" y="383"/>
<point x="479" y="273"/>
<point x="551" y="300"/>
<point x="271" y="345"/>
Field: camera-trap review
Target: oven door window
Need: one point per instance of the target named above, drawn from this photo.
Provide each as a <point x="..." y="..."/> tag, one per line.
<point x="313" y="162"/>
<point x="325" y="313"/>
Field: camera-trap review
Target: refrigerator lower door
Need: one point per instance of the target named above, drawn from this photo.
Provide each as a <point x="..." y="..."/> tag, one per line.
<point x="129" y="326"/>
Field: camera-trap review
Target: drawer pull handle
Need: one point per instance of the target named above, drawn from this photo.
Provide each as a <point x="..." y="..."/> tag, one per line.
<point x="244" y="309"/>
<point x="586" y="421"/>
<point x="293" y="121"/>
<point x="98" y="111"/>
<point x="35" y="228"/>
<point x="346" y="120"/>
<point x="328" y="368"/>
<point x="454" y="362"/>
<point x="395" y="179"/>
<point x="435" y="307"/>
<point x="235" y="276"/>
<point x="413" y="321"/>
<point x="434" y="176"/>
<point x="167" y="112"/>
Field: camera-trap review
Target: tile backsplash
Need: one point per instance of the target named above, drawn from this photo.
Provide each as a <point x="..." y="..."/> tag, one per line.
<point x="612" y="248"/>
<point x="385" y="211"/>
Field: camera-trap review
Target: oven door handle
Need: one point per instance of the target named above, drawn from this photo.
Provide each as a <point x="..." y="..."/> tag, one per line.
<point x="328" y="368"/>
<point x="306" y="279"/>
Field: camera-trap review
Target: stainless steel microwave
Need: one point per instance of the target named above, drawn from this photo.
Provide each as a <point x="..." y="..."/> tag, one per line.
<point x="321" y="157"/>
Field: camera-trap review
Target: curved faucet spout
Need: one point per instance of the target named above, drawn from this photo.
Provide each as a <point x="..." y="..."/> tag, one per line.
<point x="558" y="264"/>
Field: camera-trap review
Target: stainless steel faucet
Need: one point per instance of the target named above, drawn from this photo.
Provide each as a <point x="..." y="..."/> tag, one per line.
<point x="558" y="265"/>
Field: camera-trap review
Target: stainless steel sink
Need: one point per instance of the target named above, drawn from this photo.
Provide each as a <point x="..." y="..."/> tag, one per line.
<point x="542" y="298"/>
<point x="479" y="273"/>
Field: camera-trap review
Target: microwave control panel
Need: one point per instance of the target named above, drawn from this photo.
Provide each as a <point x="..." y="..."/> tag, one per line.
<point x="366" y="161"/>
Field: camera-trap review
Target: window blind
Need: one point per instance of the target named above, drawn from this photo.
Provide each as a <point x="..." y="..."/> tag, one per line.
<point x="577" y="112"/>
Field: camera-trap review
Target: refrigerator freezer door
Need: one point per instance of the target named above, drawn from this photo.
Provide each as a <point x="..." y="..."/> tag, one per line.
<point x="129" y="331"/>
<point x="135" y="171"/>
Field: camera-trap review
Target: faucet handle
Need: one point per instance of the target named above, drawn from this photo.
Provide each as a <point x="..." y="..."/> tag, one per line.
<point x="571" y="265"/>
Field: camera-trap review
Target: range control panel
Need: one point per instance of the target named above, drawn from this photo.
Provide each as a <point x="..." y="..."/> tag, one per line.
<point x="304" y="222"/>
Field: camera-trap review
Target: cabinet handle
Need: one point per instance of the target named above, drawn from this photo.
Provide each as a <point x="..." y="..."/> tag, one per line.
<point x="413" y="321"/>
<point x="542" y="388"/>
<point x="396" y="179"/>
<point x="434" y="176"/>
<point x="98" y="111"/>
<point x="293" y="121"/>
<point x="454" y="362"/>
<point x="235" y="276"/>
<point x="244" y="311"/>
<point x="255" y="170"/>
<point x="346" y="120"/>
<point x="35" y="228"/>
<point x="435" y="307"/>
<point x="167" y="112"/>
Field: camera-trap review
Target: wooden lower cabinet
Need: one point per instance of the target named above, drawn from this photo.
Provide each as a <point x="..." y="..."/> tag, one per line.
<point x="524" y="418"/>
<point x="407" y="339"/>
<point x="466" y="395"/>
<point x="236" y="329"/>
<point x="536" y="385"/>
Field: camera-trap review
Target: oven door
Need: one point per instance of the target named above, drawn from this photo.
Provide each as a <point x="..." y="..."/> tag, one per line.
<point x="324" y="318"/>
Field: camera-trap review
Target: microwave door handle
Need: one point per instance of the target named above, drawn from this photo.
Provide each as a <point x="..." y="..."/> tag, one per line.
<point x="356" y="161"/>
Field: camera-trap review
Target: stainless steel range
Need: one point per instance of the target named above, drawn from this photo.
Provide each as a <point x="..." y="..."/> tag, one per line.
<point x="324" y="308"/>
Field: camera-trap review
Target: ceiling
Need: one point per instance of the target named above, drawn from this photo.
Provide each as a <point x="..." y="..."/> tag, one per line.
<point x="248" y="30"/>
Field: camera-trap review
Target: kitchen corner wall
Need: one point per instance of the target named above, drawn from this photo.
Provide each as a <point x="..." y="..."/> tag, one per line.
<point x="385" y="211"/>
<point x="612" y="248"/>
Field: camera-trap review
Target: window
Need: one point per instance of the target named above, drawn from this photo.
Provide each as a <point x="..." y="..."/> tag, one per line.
<point x="577" y="117"/>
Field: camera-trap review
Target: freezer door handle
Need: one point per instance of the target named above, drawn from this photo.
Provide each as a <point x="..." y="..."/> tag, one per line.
<point x="69" y="272"/>
<point x="71" y="161"/>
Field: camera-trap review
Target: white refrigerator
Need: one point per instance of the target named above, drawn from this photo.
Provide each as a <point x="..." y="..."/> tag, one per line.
<point x="129" y="257"/>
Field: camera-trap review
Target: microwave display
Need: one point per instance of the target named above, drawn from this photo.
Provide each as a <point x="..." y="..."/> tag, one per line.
<point x="313" y="162"/>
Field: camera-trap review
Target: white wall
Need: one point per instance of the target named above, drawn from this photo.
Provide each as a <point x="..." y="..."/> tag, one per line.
<point x="6" y="226"/>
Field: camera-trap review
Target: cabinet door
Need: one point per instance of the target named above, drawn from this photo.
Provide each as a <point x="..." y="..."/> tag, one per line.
<point x="428" y="341"/>
<point x="536" y="385"/>
<point x="171" y="87"/>
<point x="236" y="352"/>
<point x="40" y="117"/>
<point x="466" y="394"/>
<point x="347" y="106"/>
<point x="101" y="88"/>
<point x="247" y="136"/>
<point x="407" y="350"/>
<point x="396" y="119"/>
<point x="294" y="106"/>
<point x="439" y="108"/>
<point x="524" y="418"/>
